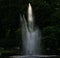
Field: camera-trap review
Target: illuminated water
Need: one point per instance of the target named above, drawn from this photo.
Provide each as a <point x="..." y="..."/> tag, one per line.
<point x="31" y="38"/>
<point x="30" y="35"/>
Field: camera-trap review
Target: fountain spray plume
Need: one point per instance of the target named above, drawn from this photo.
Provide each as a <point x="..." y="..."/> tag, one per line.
<point x="23" y="21"/>
<point x="30" y="17"/>
<point x="30" y="36"/>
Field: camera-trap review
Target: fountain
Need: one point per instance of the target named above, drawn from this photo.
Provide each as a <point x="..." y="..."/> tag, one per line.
<point x="31" y="37"/>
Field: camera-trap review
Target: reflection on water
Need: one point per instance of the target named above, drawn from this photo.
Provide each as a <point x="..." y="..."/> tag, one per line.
<point x="36" y="56"/>
<point x="29" y="56"/>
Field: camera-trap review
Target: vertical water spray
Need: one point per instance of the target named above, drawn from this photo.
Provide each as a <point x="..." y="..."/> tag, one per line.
<point x="30" y="36"/>
<point x="30" y="17"/>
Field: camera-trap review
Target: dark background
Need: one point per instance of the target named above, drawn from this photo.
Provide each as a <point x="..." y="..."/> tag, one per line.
<point x="46" y="16"/>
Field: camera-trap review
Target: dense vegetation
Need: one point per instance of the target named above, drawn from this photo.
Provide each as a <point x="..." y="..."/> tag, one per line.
<point x="47" y="18"/>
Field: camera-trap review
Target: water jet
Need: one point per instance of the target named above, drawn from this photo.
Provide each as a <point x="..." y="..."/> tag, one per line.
<point x="31" y="38"/>
<point x="30" y="35"/>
